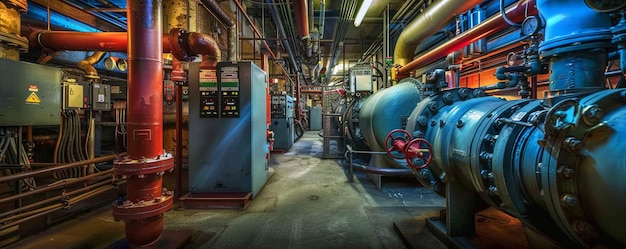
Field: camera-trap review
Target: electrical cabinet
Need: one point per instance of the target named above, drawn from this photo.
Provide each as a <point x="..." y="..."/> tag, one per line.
<point x="30" y="94"/>
<point x="282" y="121"/>
<point x="227" y="129"/>
<point x="361" y="79"/>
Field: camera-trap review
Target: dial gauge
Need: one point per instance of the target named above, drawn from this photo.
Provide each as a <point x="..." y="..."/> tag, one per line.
<point x="606" y="5"/>
<point x="531" y="25"/>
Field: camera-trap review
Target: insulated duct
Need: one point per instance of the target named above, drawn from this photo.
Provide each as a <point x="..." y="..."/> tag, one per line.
<point x="426" y="24"/>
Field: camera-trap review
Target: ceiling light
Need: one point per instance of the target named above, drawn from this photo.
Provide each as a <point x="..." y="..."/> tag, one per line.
<point x="361" y="14"/>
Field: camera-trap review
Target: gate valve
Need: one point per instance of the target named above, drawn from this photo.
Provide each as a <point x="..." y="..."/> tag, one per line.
<point x="418" y="148"/>
<point x="396" y="140"/>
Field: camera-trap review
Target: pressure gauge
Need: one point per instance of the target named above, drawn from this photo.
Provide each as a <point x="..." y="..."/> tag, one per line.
<point x="511" y="59"/>
<point x="109" y="63"/>
<point x="122" y="65"/>
<point x="531" y="25"/>
<point x="605" y="5"/>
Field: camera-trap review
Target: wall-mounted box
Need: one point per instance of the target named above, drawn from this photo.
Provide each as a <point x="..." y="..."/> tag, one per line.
<point x="30" y="94"/>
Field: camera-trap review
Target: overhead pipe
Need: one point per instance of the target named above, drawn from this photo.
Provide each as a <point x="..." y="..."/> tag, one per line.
<point x="87" y="65"/>
<point x="281" y="31"/>
<point x="256" y="31"/>
<point x="224" y="18"/>
<point x="488" y="27"/>
<point x="301" y="12"/>
<point x="146" y="201"/>
<point x="432" y="20"/>
<point x="178" y="42"/>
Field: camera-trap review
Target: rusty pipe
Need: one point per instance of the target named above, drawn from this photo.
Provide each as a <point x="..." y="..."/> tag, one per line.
<point x="49" y="209"/>
<point x="301" y="12"/>
<point x="488" y="27"/>
<point x="49" y="170"/>
<point x="87" y="65"/>
<point x="217" y="10"/>
<point x="64" y="183"/>
<point x="426" y="24"/>
<point x="15" y="213"/>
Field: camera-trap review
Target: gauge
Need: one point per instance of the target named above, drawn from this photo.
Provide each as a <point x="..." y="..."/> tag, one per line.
<point x="122" y="65"/>
<point x="531" y="25"/>
<point x="605" y="5"/>
<point x="109" y="63"/>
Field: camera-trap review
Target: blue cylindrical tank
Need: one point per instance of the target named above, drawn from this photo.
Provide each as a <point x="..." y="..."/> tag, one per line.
<point x="387" y="110"/>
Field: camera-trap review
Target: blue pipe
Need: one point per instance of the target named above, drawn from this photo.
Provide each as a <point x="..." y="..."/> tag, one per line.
<point x="572" y="31"/>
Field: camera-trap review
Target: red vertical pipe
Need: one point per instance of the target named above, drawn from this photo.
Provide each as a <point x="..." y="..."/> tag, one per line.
<point x="301" y="10"/>
<point x="488" y="27"/>
<point x="145" y="79"/>
<point x="145" y="163"/>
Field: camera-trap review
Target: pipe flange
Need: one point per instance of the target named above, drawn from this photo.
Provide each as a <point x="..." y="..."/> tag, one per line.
<point x="127" y="211"/>
<point x="130" y="167"/>
<point x="177" y="37"/>
<point x="14" y="40"/>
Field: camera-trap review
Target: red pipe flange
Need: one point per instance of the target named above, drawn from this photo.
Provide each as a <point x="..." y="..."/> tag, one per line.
<point x="418" y="148"/>
<point x="396" y="143"/>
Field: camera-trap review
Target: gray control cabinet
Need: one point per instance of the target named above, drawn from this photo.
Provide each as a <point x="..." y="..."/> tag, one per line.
<point x="282" y="121"/>
<point x="227" y="129"/>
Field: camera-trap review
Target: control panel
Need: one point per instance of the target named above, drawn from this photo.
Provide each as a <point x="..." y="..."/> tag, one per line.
<point x="229" y="88"/>
<point x="209" y="95"/>
<point x="281" y="106"/>
<point x="101" y="97"/>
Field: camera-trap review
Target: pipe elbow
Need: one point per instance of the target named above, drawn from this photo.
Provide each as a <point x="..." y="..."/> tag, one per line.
<point x="500" y="74"/>
<point x="86" y="65"/>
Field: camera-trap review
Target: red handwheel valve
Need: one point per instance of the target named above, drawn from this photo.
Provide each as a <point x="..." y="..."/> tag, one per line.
<point x="396" y="140"/>
<point x="418" y="148"/>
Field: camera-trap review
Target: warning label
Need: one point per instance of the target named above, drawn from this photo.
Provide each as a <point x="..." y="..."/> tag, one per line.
<point x="33" y="99"/>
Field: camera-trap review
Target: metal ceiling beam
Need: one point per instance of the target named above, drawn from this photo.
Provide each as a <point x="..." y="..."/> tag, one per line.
<point x="78" y="14"/>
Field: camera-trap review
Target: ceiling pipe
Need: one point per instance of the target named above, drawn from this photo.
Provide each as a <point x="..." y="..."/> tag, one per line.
<point x="281" y="32"/>
<point x="256" y="31"/>
<point x="224" y="18"/>
<point x="177" y="41"/>
<point x="143" y="166"/>
<point x="432" y="20"/>
<point x="301" y="12"/>
<point x="492" y="25"/>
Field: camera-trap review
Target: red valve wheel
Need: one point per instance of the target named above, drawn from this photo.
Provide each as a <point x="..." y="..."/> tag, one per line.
<point x="396" y="143"/>
<point x="418" y="148"/>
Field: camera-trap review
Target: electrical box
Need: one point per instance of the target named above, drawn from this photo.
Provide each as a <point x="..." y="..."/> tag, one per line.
<point x="282" y="123"/>
<point x="100" y="97"/>
<point x="30" y="94"/>
<point x="227" y="129"/>
<point x="73" y="95"/>
<point x="361" y="79"/>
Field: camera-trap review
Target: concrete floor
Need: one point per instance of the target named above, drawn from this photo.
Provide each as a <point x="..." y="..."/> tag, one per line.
<point x="307" y="203"/>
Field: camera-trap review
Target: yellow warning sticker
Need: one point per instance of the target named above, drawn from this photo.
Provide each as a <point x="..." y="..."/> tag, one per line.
<point x="33" y="99"/>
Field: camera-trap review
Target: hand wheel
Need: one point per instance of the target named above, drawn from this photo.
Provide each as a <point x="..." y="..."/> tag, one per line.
<point x="418" y="148"/>
<point x="395" y="141"/>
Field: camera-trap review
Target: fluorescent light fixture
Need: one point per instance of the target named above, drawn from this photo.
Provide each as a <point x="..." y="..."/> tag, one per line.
<point x="361" y="14"/>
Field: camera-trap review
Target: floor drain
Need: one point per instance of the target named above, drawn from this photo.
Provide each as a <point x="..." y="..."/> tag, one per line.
<point x="314" y="197"/>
